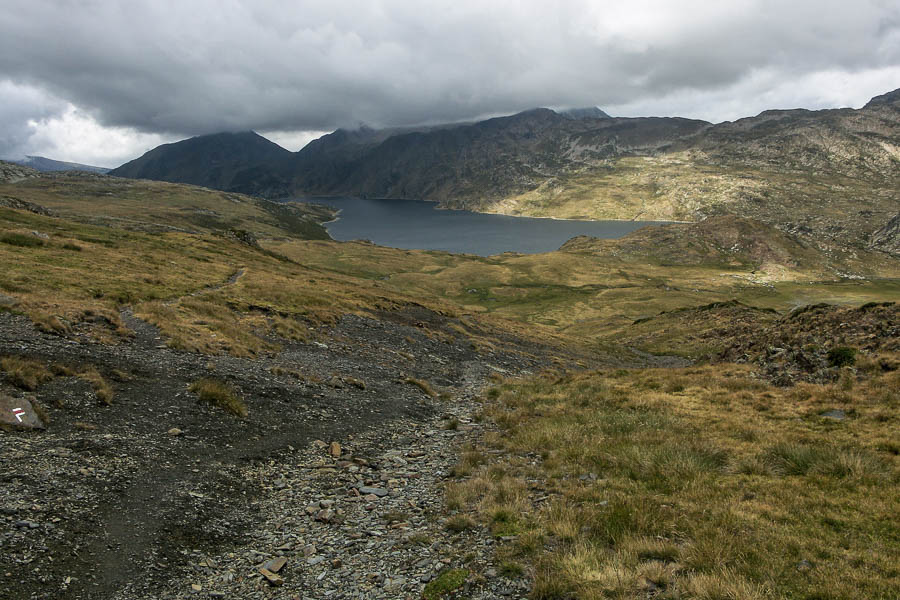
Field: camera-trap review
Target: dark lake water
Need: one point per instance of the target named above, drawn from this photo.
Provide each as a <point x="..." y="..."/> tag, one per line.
<point x="412" y="224"/>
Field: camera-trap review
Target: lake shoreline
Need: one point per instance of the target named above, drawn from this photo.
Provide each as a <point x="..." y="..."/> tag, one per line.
<point x="438" y="206"/>
<point x="426" y="225"/>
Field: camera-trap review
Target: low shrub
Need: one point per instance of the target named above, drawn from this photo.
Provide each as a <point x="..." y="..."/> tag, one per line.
<point x="842" y="356"/>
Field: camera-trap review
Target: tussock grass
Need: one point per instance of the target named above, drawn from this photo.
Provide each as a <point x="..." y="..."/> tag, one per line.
<point x="102" y="388"/>
<point x="220" y="394"/>
<point x="21" y="240"/>
<point x="48" y="323"/>
<point x="674" y="484"/>
<point x="25" y="373"/>
<point x="422" y="385"/>
<point x="290" y="329"/>
<point x="459" y="523"/>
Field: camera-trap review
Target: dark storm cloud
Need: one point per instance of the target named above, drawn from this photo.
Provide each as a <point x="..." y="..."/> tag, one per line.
<point x="202" y="66"/>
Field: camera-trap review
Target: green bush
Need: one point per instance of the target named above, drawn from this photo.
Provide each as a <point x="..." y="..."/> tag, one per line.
<point x="841" y="356"/>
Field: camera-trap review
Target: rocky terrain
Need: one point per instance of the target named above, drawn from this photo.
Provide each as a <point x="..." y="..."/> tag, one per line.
<point x="13" y="173"/>
<point x="337" y="468"/>
<point x="813" y="343"/>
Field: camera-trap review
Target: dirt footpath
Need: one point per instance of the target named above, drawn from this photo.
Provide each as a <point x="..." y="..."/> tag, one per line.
<point x="162" y="496"/>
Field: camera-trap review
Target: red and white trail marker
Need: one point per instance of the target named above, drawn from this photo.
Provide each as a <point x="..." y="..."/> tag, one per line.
<point x="18" y="412"/>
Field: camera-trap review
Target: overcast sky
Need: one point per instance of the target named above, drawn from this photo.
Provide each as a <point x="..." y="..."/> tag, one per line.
<point x="101" y="82"/>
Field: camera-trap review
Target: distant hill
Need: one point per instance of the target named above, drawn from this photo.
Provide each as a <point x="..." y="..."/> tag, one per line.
<point x="831" y="174"/>
<point x="48" y="165"/>
<point x="243" y="162"/>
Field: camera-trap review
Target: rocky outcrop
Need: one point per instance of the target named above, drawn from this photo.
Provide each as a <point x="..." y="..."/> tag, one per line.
<point x="10" y="202"/>
<point x="887" y="238"/>
<point x="12" y="173"/>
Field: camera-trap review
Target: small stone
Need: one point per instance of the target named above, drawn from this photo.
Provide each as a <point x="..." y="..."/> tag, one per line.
<point x="837" y="415"/>
<point x="196" y="587"/>
<point x="334" y="449"/>
<point x="379" y="492"/>
<point x="276" y="564"/>
<point x="315" y="560"/>
<point x="272" y="578"/>
<point x="175" y="431"/>
<point x="804" y="565"/>
<point x="325" y="516"/>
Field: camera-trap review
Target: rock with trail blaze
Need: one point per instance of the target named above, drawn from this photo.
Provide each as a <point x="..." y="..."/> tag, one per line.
<point x="19" y="412"/>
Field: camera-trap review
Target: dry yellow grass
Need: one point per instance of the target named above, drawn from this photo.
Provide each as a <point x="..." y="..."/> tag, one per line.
<point x="693" y="483"/>
<point x="220" y="394"/>
<point x="422" y="385"/>
<point x="102" y="388"/>
<point x="25" y="373"/>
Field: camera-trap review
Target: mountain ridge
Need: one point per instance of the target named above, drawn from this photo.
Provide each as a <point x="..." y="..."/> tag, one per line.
<point x="49" y="165"/>
<point x="780" y="166"/>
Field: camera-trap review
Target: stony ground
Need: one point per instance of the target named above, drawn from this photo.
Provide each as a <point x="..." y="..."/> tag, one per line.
<point x="161" y="496"/>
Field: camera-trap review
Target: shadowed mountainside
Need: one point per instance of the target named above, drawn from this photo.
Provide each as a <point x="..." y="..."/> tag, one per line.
<point x="243" y="162"/>
<point x="830" y="174"/>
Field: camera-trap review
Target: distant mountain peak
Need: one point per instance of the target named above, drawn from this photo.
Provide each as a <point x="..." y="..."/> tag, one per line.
<point x="590" y="112"/>
<point x="884" y="99"/>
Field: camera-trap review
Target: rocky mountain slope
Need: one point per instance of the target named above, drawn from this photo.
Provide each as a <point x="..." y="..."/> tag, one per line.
<point x="829" y="174"/>
<point x="493" y="158"/>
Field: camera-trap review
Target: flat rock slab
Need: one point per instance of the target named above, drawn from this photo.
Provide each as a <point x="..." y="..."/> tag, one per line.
<point x="272" y="578"/>
<point x="837" y="415"/>
<point x="7" y="300"/>
<point x="18" y="412"/>
<point x="276" y="564"/>
<point x="380" y="492"/>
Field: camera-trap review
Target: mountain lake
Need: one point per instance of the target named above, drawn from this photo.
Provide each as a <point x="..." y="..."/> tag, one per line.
<point x="414" y="224"/>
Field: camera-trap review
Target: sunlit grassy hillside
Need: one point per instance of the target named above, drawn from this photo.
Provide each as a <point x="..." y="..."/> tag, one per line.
<point x="691" y="483"/>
